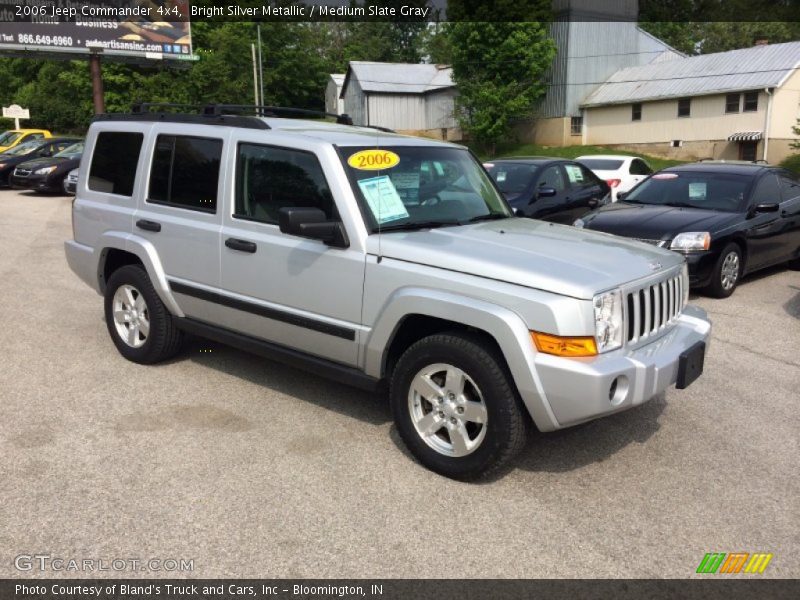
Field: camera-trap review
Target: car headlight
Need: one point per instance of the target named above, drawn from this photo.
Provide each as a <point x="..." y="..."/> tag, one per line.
<point x="579" y="223"/>
<point x="608" y="320"/>
<point x="692" y="240"/>
<point x="44" y="171"/>
<point x="2" y="165"/>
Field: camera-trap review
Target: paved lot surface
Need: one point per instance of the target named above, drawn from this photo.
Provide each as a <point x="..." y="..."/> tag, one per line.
<point x="254" y="469"/>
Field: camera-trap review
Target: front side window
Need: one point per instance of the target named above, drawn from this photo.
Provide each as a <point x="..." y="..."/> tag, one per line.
<point x="113" y="169"/>
<point x="713" y="191"/>
<point x="413" y="187"/>
<point x="270" y="178"/>
<point x="553" y="177"/>
<point x="185" y="172"/>
<point x="732" y="103"/>
<point x="750" y="102"/>
<point x="684" y="107"/>
<point x="767" y="191"/>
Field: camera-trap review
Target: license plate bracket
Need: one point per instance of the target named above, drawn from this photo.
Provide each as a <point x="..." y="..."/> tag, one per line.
<point x="690" y="365"/>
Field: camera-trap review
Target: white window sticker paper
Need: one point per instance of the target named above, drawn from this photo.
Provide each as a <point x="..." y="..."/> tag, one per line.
<point x="574" y="173"/>
<point x="383" y="199"/>
<point x="697" y="190"/>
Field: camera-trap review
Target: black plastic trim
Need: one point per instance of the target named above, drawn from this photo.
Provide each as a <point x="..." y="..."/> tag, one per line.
<point x="294" y="358"/>
<point x="264" y="311"/>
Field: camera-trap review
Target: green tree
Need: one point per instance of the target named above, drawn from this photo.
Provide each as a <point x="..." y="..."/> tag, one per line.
<point x="499" y="70"/>
<point x="796" y="130"/>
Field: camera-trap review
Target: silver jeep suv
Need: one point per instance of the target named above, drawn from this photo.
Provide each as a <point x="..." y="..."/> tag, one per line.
<point x="374" y="258"/>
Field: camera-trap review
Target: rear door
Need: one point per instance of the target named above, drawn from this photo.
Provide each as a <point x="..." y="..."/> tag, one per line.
<point x="765" y="230"/>
<point x="586" y="191"/>
<point x="181" y="215"/>
<point x="288" y="290"/>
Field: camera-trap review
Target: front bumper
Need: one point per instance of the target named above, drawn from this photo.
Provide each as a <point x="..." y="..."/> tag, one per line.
<point x="701" y="267"/>
<point x="583" y="389"/>
<point x="39" y="183"/>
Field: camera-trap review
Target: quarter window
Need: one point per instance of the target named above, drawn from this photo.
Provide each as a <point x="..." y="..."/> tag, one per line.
<point x="636" y="112"/>
<point x="732" y="103"/>
<point x="684" y="107"/>
<point x="116" y="154"/>
<point x="750" y="102"/>
<point x="185" y="172"/>
<point x="639" y="167"/>
<point x="269" y="178"/>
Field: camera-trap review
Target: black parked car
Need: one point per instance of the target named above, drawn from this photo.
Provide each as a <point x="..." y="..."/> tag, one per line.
<point x="727" y="219"/>
<point x="39" y="148"/>
<point x="47" y="174"/>
<point x="550" y="189"/>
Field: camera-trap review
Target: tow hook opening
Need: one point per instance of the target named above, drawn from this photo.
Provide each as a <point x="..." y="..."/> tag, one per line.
<point x="618" y="390"/>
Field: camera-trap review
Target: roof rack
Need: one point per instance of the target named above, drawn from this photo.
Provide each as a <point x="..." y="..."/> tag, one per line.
<point x="232" y="115"/>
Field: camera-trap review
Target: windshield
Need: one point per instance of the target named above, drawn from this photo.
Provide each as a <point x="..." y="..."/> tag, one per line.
<point x="414" y="187"/>
<point x="712" y="191"/>
<point x="71" y="151"/>
<point x="601" y="164"/>
<point x="511" y="178"/>
<point x="23" y="148"/>
<point x="9" y="137"/>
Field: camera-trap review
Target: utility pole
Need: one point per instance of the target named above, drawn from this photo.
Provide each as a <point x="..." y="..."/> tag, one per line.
<point x="255" y="74"/>
<point x="260" y="68"/>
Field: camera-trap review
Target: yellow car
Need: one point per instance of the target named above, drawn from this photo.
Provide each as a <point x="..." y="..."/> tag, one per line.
<point x="12" y="137"/>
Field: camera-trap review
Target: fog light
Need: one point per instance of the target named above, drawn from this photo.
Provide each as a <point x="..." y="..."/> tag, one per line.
<point x="618" y="390"/>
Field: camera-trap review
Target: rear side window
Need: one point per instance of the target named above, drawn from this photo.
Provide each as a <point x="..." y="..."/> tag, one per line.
<point x="269" y="178"/>
<point x="638" y="167"/>
<point x="116" y="155"/>
<point x="185" y="172"/>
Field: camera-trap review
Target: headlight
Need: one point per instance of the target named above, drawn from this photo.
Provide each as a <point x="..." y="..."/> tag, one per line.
<point x="579" y="223"/>
<point x="692" y="240"/>
<point x="608" y="320"/>
<point x="44" y="171"/>
<point x="2" y="165"/>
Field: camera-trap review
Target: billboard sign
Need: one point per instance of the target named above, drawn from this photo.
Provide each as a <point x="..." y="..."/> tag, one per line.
<point x="145" y="29"/>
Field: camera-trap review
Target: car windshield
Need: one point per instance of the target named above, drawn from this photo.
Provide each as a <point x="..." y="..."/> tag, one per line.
<point x="9" y="137"/>
<point x="712" y="191"/>
<point x="511" y="178"/>
<point x="415" y="187"/>
<point x="23" y="148"/>
<point x="71" y="151"/>
<point x="601" y="164"/>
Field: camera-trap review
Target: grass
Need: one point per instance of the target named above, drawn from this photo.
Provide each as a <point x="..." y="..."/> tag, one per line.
<point x="509" y="150"/>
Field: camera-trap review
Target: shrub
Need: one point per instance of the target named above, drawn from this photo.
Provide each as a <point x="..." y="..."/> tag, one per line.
<point x="792" y="163"/>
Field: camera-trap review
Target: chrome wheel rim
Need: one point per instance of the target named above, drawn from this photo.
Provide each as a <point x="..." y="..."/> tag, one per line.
<point x="131" y="316"/>
<point x="730" y="271"/>
<point x="447" y="410"/>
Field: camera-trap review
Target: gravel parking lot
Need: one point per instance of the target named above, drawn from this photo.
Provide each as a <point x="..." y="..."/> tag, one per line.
<point x="252" y="469"/>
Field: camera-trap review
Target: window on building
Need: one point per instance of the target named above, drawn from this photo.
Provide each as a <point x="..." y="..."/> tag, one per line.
<point x="636" y="112"/>
<point x="684" y="107"/>
<point x="576" y="126"/>
<point x="732" y="103"/>
<point x="750" y="102"/>
<point x="677" y="143"/>
<point x="270" y="178"/>
<point x="185" y="172"/>
<point x="116" y="154"/>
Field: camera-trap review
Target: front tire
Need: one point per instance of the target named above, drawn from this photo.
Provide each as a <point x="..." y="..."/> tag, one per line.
<point x="455" y="406"/>
<point x="139" y="324"/>
<point x="727" y="272"/>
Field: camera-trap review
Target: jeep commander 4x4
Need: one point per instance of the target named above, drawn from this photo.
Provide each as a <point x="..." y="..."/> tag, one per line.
<point x="371" y="257"/>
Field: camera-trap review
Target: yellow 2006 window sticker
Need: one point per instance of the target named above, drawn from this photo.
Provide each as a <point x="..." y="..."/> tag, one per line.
<point x="373" y="160"/>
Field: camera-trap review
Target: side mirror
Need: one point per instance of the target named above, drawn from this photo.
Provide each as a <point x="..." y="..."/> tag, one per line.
<point x="313" y="224"/>
<point x="546" y="192"/>
<point x="766" y="208"/>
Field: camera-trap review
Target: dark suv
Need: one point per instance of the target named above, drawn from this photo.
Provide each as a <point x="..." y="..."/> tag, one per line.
<point x="728" y="220"/>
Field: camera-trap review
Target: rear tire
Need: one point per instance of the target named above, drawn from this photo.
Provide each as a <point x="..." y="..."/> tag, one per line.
<point x="139" y="324"/>
<point x="455" y="406"/>
<point x="727" y="272"/>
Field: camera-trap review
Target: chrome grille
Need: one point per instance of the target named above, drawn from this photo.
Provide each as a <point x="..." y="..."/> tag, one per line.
<point x="653" y="307"/>
<point x="72" y="178"/>
<point x="22" y="172"/>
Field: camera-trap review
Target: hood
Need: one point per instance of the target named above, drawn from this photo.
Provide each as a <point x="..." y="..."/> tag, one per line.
<point x="652" y="222"/>
<point x="51" y="161"/>
<point x="555" y="258"/>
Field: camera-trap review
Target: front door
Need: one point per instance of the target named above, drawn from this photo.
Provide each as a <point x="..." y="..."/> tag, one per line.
<point x="285" y="289"/>
<point x="748" y="151"/>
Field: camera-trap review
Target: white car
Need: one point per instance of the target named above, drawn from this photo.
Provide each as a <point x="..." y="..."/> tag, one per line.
<point x="620" y="172"/>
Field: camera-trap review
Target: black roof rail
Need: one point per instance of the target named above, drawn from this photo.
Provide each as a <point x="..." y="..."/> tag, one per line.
<point x="232" y="115"/>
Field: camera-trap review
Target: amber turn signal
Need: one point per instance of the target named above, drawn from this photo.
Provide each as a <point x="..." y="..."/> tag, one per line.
<point x="564" y="346"/>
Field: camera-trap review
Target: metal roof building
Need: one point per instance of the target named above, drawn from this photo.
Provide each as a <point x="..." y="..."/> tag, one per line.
<point x="405" y="97"/>
<point x="737" y="70"/>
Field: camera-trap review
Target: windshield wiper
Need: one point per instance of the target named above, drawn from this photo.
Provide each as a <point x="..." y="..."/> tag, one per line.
<point x="414" y="225"/>
<point x="489" y="217"/>
<point x="679" y="204"/>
